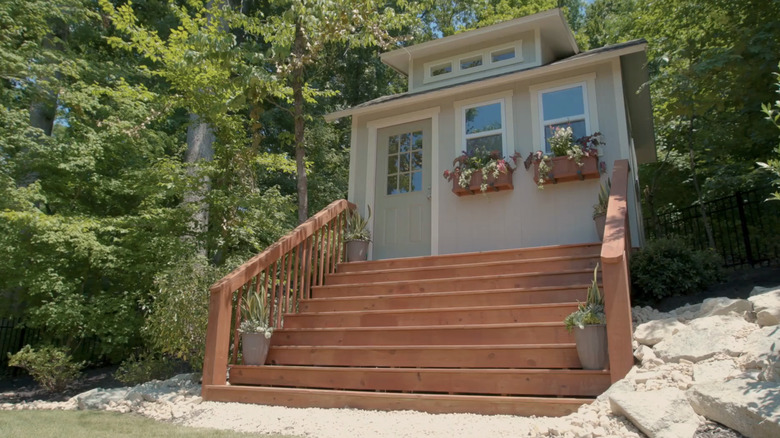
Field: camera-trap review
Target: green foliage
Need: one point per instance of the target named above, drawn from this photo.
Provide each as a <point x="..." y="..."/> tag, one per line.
<point x="177" y="315"/>
<point x="145" y="367"/>
<point x="51" y="367"/>
<point x="668" y="267"/>
<point x="773" y="115"/>
<point x="256" y="309"/>
<point x="600" y="208"/>
<point x="591" y="311"/>
<point x="357" y="226"/>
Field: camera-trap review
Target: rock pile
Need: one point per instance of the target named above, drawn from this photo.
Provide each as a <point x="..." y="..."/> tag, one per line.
<point x="716" y="361"/>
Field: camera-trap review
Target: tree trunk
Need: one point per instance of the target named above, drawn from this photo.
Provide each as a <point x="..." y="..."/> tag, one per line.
<point x="299" y="49"/>
<point x="200" y="147"/>
<point x="702" y="210"/>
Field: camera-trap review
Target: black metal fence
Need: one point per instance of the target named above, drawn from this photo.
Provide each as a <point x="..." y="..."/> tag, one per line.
<point x="745" y="227"/>
<point x="14" y="335"/>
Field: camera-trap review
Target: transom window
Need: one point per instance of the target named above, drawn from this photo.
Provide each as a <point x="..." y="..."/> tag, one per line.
<point x="470" y="62"/>
<point x="564" y="107"/>
<point x="404" y="163"/>
<point x="483" y="126"/>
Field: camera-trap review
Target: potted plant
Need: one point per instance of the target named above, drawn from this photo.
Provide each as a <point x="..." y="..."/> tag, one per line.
<point x="568" y="160"/>
<point x="600" y="209"/>
<point x="357" y="236"/>
<point x="255" y="328"/>
<point x="481" y="170"/>
<point x="590" y="331"/>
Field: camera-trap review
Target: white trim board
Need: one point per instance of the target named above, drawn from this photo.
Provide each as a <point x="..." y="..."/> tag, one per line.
<point x="375" y="125"/>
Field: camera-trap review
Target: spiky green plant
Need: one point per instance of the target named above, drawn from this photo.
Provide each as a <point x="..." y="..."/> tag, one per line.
<point x="357" y="226"/>
<point x="591" y="311"/>
<point x="256" y="310"/>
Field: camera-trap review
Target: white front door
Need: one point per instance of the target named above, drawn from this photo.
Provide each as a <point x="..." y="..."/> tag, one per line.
<point x="402" y="225"/>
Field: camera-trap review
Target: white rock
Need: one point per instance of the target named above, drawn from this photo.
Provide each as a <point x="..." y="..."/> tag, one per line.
<point x="714" y="370"/>
<point x="704" y="337"/>
<point x="766" y="305"/>
<point x="653" y="332"/>
<point x="760" y="290"/>
<point x="724" y="306"/>
<point x="665" y="413"/>
<point x="749" y="407"/>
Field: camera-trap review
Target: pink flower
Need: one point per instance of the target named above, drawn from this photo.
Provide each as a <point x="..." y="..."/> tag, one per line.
<point x="501" y="166"/>
<point x="447" y="174"/>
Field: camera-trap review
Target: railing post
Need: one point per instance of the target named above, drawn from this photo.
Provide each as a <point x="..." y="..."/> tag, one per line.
<point x="217" y="339"/>
<point x="616" y="277"/>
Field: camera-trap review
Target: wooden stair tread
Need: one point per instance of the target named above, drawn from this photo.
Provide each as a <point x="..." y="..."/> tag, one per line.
<point x="435" y="280"/>
<point x="425" y="327"/>
<point x="544" y="382"/>
<point x="595" y="247"/>
<point x="460" y="265"/>
<point x="433" y="403"/>
<point x="582" y="286"/>
<point x="435" y="309"/>
<point x="561" y="355"/>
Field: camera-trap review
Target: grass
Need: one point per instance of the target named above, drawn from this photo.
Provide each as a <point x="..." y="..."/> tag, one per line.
<point x="88" y="424"/>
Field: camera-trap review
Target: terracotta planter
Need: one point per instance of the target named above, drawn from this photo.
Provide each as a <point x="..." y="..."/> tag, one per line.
<point x="601" y="222"/>
<point x="254" y="348"/>
<point x="592" y="346"/>
<point x="357" y="250"/>
<point x="564" y="169"/>
<point x="503" y="182"/>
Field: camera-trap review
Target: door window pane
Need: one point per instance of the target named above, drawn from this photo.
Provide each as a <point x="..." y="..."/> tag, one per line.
<point x="392" y="185"/>
<point x="416" y="181"/>
<point x="405" y="163"/>
<point x="483" y="118"/>
<point x="417" y="140"/>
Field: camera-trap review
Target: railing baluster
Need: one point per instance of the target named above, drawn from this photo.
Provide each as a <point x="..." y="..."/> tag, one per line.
<point x="325" y="252"/>
<point x="236" y="336"/>
<point x="286" y="307"/>
<point x="315" y="264"/>
<point x="337" y="244"/>
<point x="296" y="264"/>
<point x="309" y="250"/>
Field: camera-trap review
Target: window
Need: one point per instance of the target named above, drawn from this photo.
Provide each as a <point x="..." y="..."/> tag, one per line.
<point x="502" y="55"/>
<point x="405" y="163"/>
<point x="441" y="69"/>
<point x="484" y="127"/>
<point x="562" y="107"/>
<point x="471" y="62"/>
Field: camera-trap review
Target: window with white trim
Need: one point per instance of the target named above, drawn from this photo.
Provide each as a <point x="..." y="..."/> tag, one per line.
<point x="561" y="107"/>
<point x="466" y="63"/>
<point x="484" y="126"/>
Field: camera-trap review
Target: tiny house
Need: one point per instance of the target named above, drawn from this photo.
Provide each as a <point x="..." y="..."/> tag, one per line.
<point x="503" y="87"/>
<point x="461" y="307"/>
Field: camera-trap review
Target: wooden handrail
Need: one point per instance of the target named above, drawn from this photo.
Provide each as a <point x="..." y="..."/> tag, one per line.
<point x="284" y="272"/>
<point x="615" y="251"/>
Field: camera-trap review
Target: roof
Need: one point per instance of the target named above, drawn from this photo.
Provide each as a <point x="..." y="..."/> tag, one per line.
<point x="386" y="102"/>
<point x="552" y="24"/>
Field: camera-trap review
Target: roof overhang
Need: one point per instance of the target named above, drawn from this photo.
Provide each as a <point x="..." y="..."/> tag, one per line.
<point x="640" y="109"/>
<point x="552" y="24"/>
<point x="581" y="60"/>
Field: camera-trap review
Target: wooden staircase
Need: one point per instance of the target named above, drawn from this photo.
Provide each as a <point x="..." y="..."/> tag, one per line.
<point x="479" y="332"/>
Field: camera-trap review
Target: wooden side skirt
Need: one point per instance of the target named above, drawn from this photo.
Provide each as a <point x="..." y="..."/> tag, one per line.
<point x="304" y="398"/>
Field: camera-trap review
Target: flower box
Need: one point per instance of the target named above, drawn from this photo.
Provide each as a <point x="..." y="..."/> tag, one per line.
<point x="503" y="182"/>
<point x="564" y="169"/>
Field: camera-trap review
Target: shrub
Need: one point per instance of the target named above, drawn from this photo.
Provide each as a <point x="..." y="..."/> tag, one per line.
<point x="145" y="367"/>
<point x="666" y="267"/>
<point x="53" y="368"/>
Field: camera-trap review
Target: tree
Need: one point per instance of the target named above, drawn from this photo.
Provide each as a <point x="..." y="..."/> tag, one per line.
<point x="299" y="36"/>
